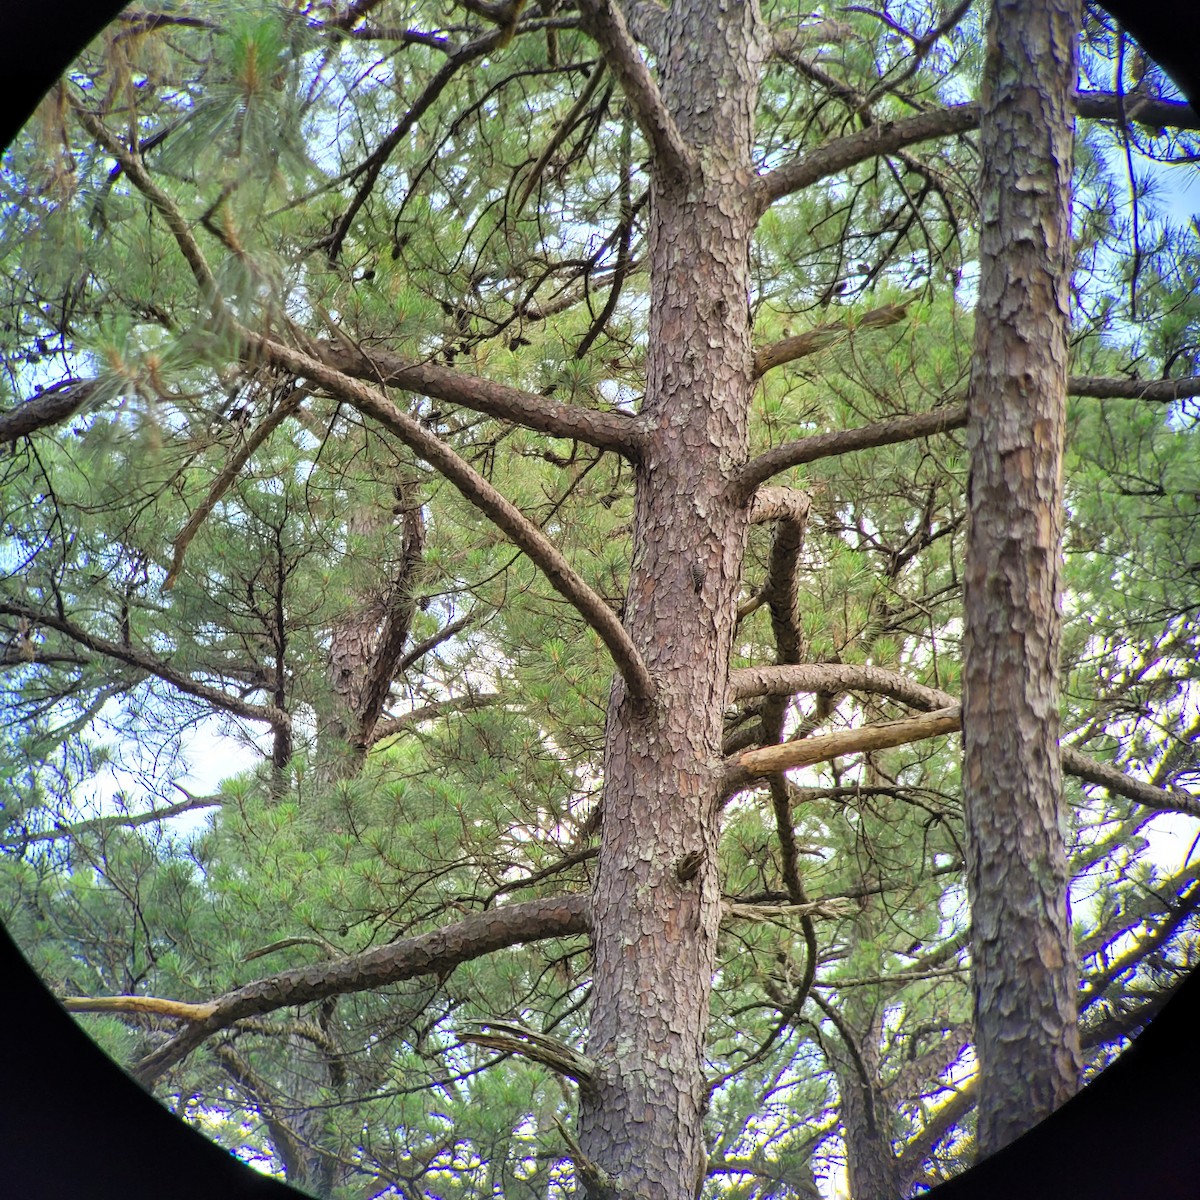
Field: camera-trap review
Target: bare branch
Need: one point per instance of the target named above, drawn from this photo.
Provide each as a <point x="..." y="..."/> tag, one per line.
<point x="560" y="135"/>
<point x="50" y="407"/>
<point x="141" y="661"/>
<point x="115" y="821"/>
<point x="433" y="712"/>
<point x="437" y="952"/>
<point x="824" y="677"/>
<point x="606" y="24"/>
<point x="888" y="137"/>
<point x="180" y="1009"/>
<point x="824" y="336"/>
<point x="843" y="441"/>
<point x="135" y="170"/>
<point x="1163" y="391"/>
<point x="368" y="171"/>
<point x="779" y="504"/>
<point x="616" y="431"/>
<point x="502" y="512"/>
<point x="824" y="746"/>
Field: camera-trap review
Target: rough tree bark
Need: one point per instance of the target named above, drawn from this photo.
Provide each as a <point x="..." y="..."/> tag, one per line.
<point x="1023" y="962"/>
<point x="656" y="906"/>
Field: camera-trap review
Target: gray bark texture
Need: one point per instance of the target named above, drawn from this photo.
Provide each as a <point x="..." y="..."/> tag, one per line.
<point x="655" y="922"/>
<point x="1024" y="974"/>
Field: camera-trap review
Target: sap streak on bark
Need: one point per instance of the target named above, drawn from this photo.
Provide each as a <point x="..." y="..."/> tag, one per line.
<point x="1024" y="976"/>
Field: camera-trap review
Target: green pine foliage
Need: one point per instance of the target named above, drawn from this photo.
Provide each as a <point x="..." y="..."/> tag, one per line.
<point x="162" y="642"/>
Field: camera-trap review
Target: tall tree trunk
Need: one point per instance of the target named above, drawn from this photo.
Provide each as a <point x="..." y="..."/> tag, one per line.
<point x="872" y="1167"/>
<point x="1023" y="960"/>
<point x="656" y="907"/>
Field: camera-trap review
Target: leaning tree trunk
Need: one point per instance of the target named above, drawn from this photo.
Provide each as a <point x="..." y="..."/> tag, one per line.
<point x="1023" y="961"/>
<point x="656" y="906"/>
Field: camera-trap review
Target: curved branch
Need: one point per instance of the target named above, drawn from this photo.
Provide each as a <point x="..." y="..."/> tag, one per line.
<point x="813" y="340"/>
<point x="779" y="504"/>
<point x="843" y="441"/>
<point x="49" y="407"/>
<point x="510" y="1037"/>
<point x="477" y="491"/>
<point x="436" y="952"/>
<point x="745" y="682"/>
<point x="888" y="137"/>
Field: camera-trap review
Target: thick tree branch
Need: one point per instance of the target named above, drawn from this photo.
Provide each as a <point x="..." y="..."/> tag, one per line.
<point x="1163" y="391"/>
<point x="824" y="746"/>
<point x="604" y="21"/>
<point x="436" y="952"/>
<point x="615" y="431"/>
<point x="950" y="416"/>
<point x="50" y="407"/>
<point x="842" y="153"/>
<point x="843" y="441"/>
<point x="824" y="336"/>
<point x="779" y="504"/>
<point x="1147" y="111"/>
<point x="502" y="512"/>
<point x="888" y="137"/>
<point x="816" y="678"/>
<point x="147" y="663"/>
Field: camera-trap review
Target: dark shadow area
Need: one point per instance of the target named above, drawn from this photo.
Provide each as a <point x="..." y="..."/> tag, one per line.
<point x="72" y="1124"/>
<point x="1169" y="33"/>
<point x="1131" y="1133"/>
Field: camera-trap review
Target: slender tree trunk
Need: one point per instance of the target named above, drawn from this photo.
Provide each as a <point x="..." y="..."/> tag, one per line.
<point x="1023" y="960"/>
<point x="656" y="907"/>
<point x="872" y="1167"/>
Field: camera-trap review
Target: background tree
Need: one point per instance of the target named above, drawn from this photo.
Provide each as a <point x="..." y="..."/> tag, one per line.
<point x="380" y="378"/>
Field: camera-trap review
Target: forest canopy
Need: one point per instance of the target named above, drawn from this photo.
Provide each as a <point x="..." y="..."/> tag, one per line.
<point x="517" y="455"/>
